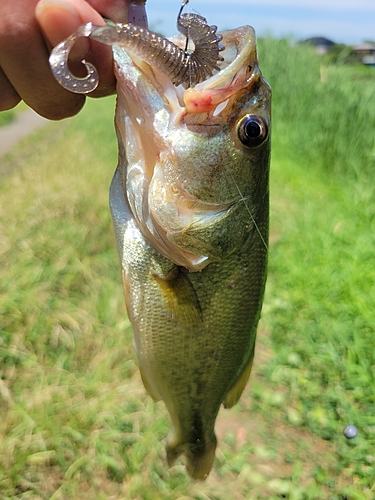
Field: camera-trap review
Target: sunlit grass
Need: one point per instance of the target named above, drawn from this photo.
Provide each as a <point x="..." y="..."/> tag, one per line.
<point x="323" y="114"/>
<point x="319" y="309"/>
<point x="7" y="117"/>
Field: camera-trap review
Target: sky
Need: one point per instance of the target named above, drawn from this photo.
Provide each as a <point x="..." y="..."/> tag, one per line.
<point x="342" y="21"/>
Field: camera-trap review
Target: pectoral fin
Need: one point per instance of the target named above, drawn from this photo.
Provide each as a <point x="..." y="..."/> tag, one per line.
<point x="180" y="298"/>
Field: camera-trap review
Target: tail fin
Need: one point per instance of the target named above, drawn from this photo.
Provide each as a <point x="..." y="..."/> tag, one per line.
<point x="199" y="462"/>
<point x="199" y="457"/>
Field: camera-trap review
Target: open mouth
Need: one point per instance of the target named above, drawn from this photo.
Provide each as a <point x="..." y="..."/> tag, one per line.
<point x="200" y="85"/>
<point x="238" y="67"/>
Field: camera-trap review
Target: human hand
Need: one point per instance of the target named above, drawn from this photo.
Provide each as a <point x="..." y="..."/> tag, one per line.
<point x="28" y="31"/>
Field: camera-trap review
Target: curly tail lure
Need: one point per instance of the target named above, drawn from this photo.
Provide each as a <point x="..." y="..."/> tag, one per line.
<point x="180" y="65"/>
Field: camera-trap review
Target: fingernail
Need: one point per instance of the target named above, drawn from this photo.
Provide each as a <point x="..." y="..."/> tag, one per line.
<point x="137" y="13"/>
<point x="59" y="19"/>
<point x="45" y="5"/>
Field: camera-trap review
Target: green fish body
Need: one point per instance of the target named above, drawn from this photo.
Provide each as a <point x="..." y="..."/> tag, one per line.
<point x="190" y="205"/>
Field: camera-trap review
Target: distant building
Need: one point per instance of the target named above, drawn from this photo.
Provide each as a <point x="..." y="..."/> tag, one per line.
<point x="366" y="53"/>
<point x="321" y="44"/>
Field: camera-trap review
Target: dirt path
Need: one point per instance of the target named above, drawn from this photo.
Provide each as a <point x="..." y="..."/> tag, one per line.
<point x="24" y="124"/>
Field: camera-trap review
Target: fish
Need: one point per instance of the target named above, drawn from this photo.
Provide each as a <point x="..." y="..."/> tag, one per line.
<point x="190" y="207"/>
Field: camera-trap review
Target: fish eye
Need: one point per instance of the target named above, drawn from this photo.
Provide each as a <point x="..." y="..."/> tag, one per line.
<point x="252" y="131"/>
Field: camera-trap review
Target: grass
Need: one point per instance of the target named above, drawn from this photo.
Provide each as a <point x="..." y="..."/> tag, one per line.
<point x="319" y="308"/>
<point x="322" y="113"/>
<point x="76" y="422"/>
<point x="7" y="117"/>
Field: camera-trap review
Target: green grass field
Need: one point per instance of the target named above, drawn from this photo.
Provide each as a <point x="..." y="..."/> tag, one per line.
<point x="76" y="422"/>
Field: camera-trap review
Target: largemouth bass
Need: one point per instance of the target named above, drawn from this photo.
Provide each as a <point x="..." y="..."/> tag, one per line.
<point x="190" y="205"/>
<point x="190" y="208"/>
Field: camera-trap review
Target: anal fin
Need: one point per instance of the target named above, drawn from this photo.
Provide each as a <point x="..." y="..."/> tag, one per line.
<point x="234" y="394"/>
<point x="147" y="386"/>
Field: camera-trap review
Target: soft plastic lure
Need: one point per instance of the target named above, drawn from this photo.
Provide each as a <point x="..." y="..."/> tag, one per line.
<point x="182" y="66"/>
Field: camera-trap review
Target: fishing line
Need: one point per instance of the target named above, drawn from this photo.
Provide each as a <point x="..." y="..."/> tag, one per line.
<point x="243" y="198"/>
<point x="184" y="3"/>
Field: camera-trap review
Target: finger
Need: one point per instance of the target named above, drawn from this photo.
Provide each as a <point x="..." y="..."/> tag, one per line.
<point x="24" y="61"/>
<point x="116" y="10"/>
<point x="59" y="18"/>
<point x="137" y="13"/>
<point x="8" y="96"/>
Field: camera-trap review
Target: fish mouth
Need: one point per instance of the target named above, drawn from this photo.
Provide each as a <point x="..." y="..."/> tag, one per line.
<point x="147" y="100"/>
<point x="237" y="69"/>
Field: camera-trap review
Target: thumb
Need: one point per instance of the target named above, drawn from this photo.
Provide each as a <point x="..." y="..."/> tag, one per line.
<point x="60" y="18"/>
